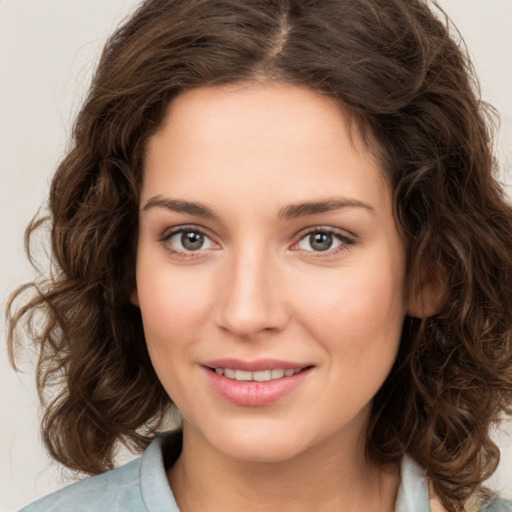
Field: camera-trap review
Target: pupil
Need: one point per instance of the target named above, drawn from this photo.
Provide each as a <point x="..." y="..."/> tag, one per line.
<point x="192" y="241"/>
<point x="321" y="241"/>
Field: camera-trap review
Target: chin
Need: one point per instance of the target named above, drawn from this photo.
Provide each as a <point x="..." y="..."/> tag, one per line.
<point x="263" y="452"/>
<point x="258" y="443"/>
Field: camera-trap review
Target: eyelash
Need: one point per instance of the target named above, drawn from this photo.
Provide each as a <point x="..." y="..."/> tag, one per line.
<point x="183" y="229"/>
<point x="345" y="241"/>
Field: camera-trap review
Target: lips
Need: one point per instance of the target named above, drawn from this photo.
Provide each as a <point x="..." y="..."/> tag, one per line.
<point x="259" y="376"/>
<point x="255" y="383"/>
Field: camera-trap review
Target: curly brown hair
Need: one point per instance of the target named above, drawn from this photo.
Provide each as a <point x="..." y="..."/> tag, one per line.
<point x="410" y="89"/>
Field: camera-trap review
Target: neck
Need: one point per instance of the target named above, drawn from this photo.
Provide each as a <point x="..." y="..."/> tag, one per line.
<point x="321" y="478"/>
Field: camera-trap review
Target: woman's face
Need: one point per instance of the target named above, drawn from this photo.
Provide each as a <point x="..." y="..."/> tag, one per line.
<point x="267" y="250"/>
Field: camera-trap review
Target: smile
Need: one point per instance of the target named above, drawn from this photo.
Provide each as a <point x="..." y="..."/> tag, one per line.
<point x="258" y="376"/>
<point x="255" y="383"/>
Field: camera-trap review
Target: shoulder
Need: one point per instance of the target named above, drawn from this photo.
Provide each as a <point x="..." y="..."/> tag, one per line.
<point x="416" y="493"/>
<point x="139" y="486"/>
<point x="494" y="505"/>
<point x="114" y="490"/>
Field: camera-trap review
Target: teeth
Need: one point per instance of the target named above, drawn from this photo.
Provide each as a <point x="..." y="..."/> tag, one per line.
<point x="243" y="375"/>
<point x="259" y="376"/>
<point x="230" y="374"/>
<point x="277" y="373"/>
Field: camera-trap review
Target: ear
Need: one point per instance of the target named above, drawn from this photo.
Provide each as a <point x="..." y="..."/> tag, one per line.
<point x="134" y="297"/>
<point x="427" y="296"/>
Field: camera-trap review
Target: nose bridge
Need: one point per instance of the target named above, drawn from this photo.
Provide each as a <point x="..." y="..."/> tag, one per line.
<point x="250" y="298"/>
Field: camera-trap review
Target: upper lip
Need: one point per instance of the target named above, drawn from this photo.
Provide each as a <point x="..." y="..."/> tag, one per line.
<point x="255" y="365"/>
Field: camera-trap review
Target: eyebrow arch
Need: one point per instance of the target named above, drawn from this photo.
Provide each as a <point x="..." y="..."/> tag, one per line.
<point x="179" y="206"/>
<point x="291" y="211"/>
<point x="328" y="205"/>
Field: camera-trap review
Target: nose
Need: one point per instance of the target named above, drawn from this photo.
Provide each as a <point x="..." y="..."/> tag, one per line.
<point x="251" y="296"/>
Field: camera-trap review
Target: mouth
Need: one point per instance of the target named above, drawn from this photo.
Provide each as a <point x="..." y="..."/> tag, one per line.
<point x="257" y="376"/>
<point x="255" y="383"/>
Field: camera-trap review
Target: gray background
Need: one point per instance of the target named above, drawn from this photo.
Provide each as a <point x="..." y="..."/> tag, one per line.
<point x="48" y="49"/>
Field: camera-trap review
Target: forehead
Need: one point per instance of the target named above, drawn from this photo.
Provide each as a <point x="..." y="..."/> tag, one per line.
<point x="274" y="106"/>
<point x="236" y="140"/>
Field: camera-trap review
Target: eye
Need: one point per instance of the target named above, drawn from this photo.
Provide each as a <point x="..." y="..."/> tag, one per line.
<point x="323" y="240"/>
<point x="188" y="240"/>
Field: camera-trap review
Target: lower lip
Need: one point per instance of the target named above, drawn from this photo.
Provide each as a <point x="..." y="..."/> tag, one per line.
<point x="253" y="393"/>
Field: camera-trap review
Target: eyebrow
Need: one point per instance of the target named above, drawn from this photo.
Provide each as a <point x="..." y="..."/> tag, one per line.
<point x="180" y="206"/>
<point x="291" y="211"/>
<point x="294" y="211"/>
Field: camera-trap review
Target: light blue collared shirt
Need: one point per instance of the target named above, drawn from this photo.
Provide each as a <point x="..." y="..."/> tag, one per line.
<point x="142" y="486"/>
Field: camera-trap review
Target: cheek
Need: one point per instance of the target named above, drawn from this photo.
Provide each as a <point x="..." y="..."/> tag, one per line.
<point x="360" y="313"/>
<point x="353" y="296"/>
<point x="174" y="305"/>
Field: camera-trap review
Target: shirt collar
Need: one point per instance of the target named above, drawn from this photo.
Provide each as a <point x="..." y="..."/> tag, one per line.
<point x="413" y="493"/>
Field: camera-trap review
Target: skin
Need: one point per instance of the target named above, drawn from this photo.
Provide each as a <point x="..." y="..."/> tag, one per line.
<point x="257" y="289"/>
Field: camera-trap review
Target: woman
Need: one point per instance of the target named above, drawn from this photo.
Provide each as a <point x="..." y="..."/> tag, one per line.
<point x="281" y="219"/>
